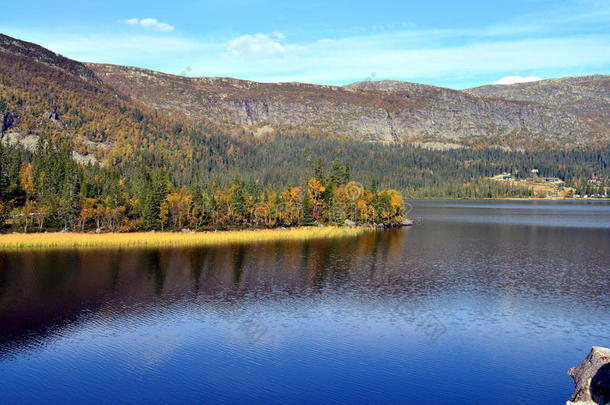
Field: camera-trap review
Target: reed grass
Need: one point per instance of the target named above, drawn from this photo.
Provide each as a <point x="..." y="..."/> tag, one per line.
<point x="19" y="241"/>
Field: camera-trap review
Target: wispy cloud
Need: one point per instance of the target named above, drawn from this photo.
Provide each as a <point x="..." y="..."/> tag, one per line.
<point x="350" y="60"/>
<point x="257" y="45"/>
<point x="149" y="23"/>
<point x="517" y="79"/>
<point x="573" y="41"/>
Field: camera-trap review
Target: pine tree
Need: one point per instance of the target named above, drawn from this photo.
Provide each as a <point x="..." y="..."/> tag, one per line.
<point x="336" y="213"/>
<point x="319" y="171"/>
<point x="306" y="210"/>
<point x="4" y="179"/>
<point x="238" y="203"/>
<point x="3" y="213"/>
<point x="69" y="204"/>
<point x="153" y="198"/>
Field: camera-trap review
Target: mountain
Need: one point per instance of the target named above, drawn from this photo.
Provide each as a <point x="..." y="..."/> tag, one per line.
<point x="585" y="96"/>
<point x="12" y="48"/>
<point x="385" y="111"/>
<point x="142" y="133"/>
<point x="45" y="95"/>
<point x="116" y="113"/>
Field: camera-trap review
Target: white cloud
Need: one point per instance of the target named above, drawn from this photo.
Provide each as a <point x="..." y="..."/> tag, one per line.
<point x="517" y="79"/>
<point x="149" y="23"/>
<point x="257" y="45"/>
<point x="342" y="60"/>
<point x="458" y="58"/>
<point x="352" y="59"/>
<point x="167" y="53"/>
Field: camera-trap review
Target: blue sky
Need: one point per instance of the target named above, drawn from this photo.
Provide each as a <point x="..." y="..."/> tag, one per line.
<point x="448" y="43"/>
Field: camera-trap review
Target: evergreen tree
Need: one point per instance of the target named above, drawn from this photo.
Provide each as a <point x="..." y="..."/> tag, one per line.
<point x="306" y="210"/>
<point x="319" y="171"/>
<point x="4" y="179"/>
<point x="336" y="213"/>
<point x="3" y="213"/>
<point x="69" y="202"/>
<point x="159" y="188"/>
<point x="238" y="202"/>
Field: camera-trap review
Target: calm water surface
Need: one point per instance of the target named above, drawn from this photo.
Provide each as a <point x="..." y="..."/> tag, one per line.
<point x="480" y="303"/>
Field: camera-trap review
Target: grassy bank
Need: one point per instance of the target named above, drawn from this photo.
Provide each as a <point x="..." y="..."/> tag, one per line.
<point x="18" y="241"/>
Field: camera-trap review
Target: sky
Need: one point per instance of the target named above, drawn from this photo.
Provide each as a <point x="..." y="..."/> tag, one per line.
<point x="450" y="43"/>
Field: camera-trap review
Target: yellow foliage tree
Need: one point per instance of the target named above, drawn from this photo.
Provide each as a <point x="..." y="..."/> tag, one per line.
<point x="290" y="213"/>
<point x="178" y="205"/>
<point x="315" y="190"/>
<point x="27" y="180"/>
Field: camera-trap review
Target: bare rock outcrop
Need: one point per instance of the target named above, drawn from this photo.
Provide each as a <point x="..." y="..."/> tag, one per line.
<point x="592" y="379"/>
<point x="379" y="111"/>
<point x="56" y="119"/>
<point x="6" y="122"/>
<point x="586" y="96"/>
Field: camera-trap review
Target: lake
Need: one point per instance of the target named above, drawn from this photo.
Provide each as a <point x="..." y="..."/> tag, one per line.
<point x="481" y="302"/>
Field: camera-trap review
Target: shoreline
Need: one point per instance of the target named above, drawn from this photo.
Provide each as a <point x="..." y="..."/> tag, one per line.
<point x="73" y="240"/>
<point x="511" y="198"/>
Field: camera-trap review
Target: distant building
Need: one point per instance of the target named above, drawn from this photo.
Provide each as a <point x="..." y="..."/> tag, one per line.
<point x="503" y="177"/>
<point x="554" y="180"/>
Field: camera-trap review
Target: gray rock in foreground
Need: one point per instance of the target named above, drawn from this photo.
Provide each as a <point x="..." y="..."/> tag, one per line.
<point x="592" y="379"/>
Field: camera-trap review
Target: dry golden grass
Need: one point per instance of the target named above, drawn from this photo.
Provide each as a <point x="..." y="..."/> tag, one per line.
<point x="18" y="241"/>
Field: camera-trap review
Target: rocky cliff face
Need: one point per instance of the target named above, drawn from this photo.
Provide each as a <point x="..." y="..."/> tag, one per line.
<point x="387" y="111"/>
<point x="586" y="96"/>
<point x="570" y="111"/>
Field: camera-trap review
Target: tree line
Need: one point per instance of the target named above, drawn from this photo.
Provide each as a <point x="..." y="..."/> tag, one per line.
<point x="283" y="159"/>
<point x="46" y="190"/>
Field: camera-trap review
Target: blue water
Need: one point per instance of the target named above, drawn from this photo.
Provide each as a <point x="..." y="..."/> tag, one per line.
<point x="479" y="303"/>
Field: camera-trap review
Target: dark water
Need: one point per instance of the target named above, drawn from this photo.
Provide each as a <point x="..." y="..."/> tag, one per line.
<point x="479" y="303"/>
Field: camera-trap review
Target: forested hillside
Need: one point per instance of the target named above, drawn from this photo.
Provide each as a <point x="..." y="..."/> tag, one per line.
<point x="280" y="181"/>
<point x="49" y="97"/>
<point x="48" y="190"/>
<point x="77" y="153"/>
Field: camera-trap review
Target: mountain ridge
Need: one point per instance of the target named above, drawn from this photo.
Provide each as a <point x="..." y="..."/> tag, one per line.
<point x="528" y="115"/>
<point x="43" y="55"/>
<point x="382" y="111"/>
<point x="47" y="96"/>
<point x="588" y="96"/>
